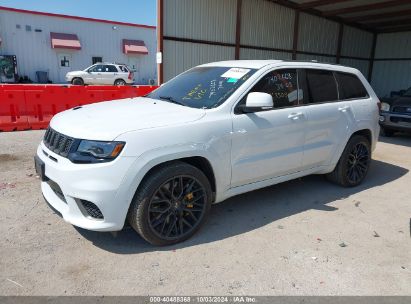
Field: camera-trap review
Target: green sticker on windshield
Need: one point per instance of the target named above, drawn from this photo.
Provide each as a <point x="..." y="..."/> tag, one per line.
<point x="232" y="80"/>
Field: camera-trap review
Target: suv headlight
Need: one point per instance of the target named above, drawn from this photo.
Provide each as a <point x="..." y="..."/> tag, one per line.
<point x="385" y="107"/>
<point x="89" y="151"/>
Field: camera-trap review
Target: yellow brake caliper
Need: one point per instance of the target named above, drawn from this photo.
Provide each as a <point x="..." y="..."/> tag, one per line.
<point x="189" y="197"/>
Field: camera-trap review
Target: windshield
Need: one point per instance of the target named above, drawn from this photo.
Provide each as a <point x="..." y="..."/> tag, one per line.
<point x="203" y="87"/>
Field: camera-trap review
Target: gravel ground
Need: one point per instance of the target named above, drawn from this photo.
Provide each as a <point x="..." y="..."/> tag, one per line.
<point x="304" y="237"/>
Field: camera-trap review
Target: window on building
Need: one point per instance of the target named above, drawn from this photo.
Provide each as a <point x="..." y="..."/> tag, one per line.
<point x="321" y="85"/>
<point x="65" y="61"/>
<point x="96" y="60"/>
<point x="282" y="85"/>
<point x="28" y="28"/>
<point x="350" y="86"/>
<point x="18" y="26"/>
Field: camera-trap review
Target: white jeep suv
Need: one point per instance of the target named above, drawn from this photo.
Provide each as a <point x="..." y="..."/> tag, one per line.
<point x="102" y="74"/>
<point x="215" y="131"/>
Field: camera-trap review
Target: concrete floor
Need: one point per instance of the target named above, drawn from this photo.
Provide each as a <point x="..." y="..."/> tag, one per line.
<point x="282" y="240"/>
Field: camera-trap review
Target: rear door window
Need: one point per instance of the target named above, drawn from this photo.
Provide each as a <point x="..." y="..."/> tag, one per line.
<point x="321" y="86"/>
<point x="350" y="87"/>
<point x="110" y="69"/>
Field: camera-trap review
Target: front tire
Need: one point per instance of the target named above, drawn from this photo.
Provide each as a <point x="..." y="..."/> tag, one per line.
<point x="171" y="204"/>
<point x="77" y="81"/>
<point x="354" y="163"/>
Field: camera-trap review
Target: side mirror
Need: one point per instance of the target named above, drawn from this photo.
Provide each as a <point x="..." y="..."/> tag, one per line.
<point x="257" y="101"/>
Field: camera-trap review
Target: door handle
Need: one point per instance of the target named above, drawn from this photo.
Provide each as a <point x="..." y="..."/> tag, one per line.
<point x="343" y="109"/>
<point x="295" y="116"/>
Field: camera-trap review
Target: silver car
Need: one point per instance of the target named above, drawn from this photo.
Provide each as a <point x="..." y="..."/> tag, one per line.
<point x="102" y="74"/>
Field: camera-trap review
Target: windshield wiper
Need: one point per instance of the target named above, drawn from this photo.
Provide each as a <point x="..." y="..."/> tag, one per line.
<point x="172" y="100"/>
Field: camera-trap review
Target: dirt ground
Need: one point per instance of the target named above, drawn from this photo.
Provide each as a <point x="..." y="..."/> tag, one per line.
<point x="304" y="237"/>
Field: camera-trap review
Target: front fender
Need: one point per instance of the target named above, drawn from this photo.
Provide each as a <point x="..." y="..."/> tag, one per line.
<point x="152" y="158"/>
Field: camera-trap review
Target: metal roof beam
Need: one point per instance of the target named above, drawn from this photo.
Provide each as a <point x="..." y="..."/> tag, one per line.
<point x="366" y="7"/>
<point x="396" y="29"/>
<point x="379" y="16"/>
<point x="316" y="3"/>
<point x="400" y="22"/>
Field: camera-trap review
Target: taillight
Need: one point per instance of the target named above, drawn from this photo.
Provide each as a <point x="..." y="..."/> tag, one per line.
<point x="379" y="105"/>
<point x="130" y="75"/>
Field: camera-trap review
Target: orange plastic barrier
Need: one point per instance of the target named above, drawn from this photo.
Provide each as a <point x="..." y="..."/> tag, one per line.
<point x="24" y="107"/>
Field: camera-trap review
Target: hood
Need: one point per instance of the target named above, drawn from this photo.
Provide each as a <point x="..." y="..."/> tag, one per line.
<point x="107" y="120"/>
<point x="402" y="101"/>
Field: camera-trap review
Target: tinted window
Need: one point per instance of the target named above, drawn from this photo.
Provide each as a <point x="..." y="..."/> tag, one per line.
<point x="110" y="69"/>
<point x="96" y="68"/>
<point x="321" y="86"/>
<point x="123" y="69"/>
<point x="282" y="85"/>
<point x="350" y="86"/>
<point x="203" y="87"/>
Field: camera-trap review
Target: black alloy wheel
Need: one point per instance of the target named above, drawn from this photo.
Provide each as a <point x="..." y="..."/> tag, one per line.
<point x="357" y="163"/>
<point x="177" y="207"/>
<point x="171" y="203"/>
<point x="353" y="164"/>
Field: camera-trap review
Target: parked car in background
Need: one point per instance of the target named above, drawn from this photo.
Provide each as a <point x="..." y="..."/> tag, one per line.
<point x="395" y="114"/>
<point x="102" y="74"/>
<point x="213" y="132"/>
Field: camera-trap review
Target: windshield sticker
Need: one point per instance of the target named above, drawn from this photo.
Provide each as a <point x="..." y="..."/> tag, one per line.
<point x="235" y="73"/>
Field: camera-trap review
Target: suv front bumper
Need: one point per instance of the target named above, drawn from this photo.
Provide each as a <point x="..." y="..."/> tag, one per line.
<point x="90" y="196"/>
<point x="395" y="121"/>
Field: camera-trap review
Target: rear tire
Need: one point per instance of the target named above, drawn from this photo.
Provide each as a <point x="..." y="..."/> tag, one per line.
<point x="386" y="132"/>
<point x="77" y="81"/>
<point x="354" y="163"/>
<point x="119" y="82"/>
<point x="171" y="204"/>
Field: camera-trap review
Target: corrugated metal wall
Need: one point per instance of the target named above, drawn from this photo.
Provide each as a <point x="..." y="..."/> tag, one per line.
<point x="181" y="56"/>
<point x="263" y="54"/>
<point x="317" y="35"/>
<point x="356" y="42"/>
<point x="267" y="24"/>
<point x="34" y="52"/>
<point x="212" y="20"/>
<point x="392" y="75"/>
<point x="362" y="65"/>
<point x="264" y="24"/>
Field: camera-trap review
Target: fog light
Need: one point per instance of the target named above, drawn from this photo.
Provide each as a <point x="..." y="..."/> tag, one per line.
<point x="382" y="118"/>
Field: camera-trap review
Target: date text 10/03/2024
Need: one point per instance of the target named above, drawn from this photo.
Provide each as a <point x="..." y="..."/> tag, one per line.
<point x="204" y="299"/>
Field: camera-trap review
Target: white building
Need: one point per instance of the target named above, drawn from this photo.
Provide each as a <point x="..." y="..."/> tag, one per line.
<point x="58" y="44"/>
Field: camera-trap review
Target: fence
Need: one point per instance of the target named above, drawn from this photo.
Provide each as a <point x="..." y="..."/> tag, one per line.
<point x="31" y="107"/>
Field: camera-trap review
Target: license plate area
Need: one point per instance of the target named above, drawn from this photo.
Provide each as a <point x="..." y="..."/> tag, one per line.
<point x="40" y="168"/>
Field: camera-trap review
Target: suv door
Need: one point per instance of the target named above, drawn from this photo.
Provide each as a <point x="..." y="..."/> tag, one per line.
<point x="94" y="74"/>
<point x="328" y="118"/>
<point x="269" y="143"/>
<point x="108" y="76"/>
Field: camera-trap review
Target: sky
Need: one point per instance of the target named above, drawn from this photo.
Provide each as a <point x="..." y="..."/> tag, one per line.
<point x="133" y="11"/>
